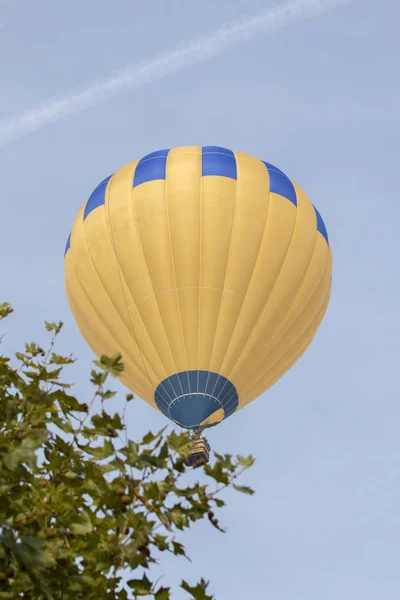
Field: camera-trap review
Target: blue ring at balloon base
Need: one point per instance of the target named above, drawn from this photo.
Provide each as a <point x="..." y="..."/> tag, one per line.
<point x="190" y="398"/>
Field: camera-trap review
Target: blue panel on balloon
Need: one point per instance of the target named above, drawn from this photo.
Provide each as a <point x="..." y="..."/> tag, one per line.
<point x="68" y="244"/>
<point x="321" y="226"/>
<point x="151" y="167"/>
<point x="190" y="397"/>
<point x="218" y="161"/>
<point x="97" y="197"/>
<point x="280" y="183"/>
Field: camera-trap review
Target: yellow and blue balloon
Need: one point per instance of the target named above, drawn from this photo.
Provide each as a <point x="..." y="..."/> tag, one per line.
<point x="209" y="270"/>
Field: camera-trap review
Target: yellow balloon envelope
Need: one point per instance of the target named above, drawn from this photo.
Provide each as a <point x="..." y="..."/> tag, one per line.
<point x="209" y="270"/>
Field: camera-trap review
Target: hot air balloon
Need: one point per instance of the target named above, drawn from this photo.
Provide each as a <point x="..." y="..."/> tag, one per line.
<point x="208" y="270"/>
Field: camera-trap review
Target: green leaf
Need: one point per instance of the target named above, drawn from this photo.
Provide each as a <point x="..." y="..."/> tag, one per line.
<point x="178" y="516"/>
<point x="245" y="461"/>
<point x="141" y="587"/>
<point x="108" y="394"/>
<point x="179" y="442"/>
<point x="57" y="359"/>
<point x="162" y="594"/>
<point x="63" y="424"/>
<point x="82" y="524"/>
<point x="152" y="491"/>
<point x="179" y="549"/>
<point x="131" y="452"/>
<point x="100" y="452"/>
<point x="98" y="378"/>
<point x="161" y="541"/>
<point x="111" y="364"/>
<point x="220" y="503"/>
<point x="56" y="327"/>
<point x="5" y="310"/>
<point x="33" y="349"/>
<point x="245" y="489"/>
<point x="217" y="472"/>
<point x="199" y="591"/>
<point x="164" y="452"/>
<point x="225" y="460"/>
<point x="35" y="438"/>
<point x="21" y="455"/>
<point x="68" y="403"/>
<point x="107" y="422"/>
<point x="148" y="438"/>
<point x="31" y="551"/>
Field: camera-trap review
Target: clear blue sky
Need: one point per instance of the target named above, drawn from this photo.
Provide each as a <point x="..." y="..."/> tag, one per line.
<point x="319" y="99"/>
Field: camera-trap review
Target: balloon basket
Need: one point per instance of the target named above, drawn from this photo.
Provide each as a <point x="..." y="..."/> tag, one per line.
<point x="200" y="455"/>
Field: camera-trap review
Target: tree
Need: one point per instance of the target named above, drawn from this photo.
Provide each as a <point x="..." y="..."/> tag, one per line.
<point x="82" y="506"/>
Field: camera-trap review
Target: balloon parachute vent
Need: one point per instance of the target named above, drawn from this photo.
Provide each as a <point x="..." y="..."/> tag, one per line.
<point x="200" y="454"/>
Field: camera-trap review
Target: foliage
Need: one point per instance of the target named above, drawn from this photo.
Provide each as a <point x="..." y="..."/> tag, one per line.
<point x="81" y="504"/>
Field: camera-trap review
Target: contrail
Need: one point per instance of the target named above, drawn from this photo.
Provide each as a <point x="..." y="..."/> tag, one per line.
<point x="167" y="62"/>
